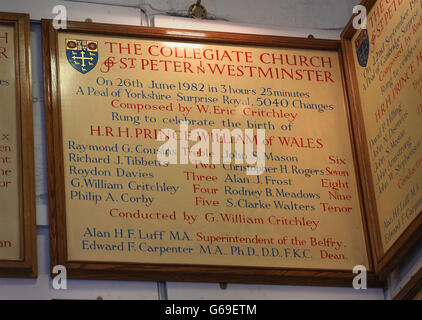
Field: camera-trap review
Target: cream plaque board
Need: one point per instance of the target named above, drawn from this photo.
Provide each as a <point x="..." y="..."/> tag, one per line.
<point x="390" y="85"/>
<point x="9" y="170"/>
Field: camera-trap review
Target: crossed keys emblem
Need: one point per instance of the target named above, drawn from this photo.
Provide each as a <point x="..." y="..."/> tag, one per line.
<point x="82" y="54"/>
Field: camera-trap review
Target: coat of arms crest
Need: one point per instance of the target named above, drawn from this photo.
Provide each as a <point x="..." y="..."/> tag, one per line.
<point x="362" y="48"/>
<point x="82" y="54"/>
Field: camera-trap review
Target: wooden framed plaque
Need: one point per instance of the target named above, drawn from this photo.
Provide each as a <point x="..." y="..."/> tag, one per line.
<point x="17" y="187"/>
<point x="384" y="76"/>
<point x="118" y="212"/>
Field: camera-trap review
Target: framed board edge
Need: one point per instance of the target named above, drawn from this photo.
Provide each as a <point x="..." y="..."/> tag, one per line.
<point x="412" y="288"/>
<point x="163" y="272"/>
<point x="384" y="262"/>
<point x="27" y="266"/>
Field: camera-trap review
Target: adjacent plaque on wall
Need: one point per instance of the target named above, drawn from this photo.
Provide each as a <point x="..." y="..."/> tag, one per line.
<point x="17" y="213"/>
<point x="119" y="99"/>
<point x="385" y="84"/>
